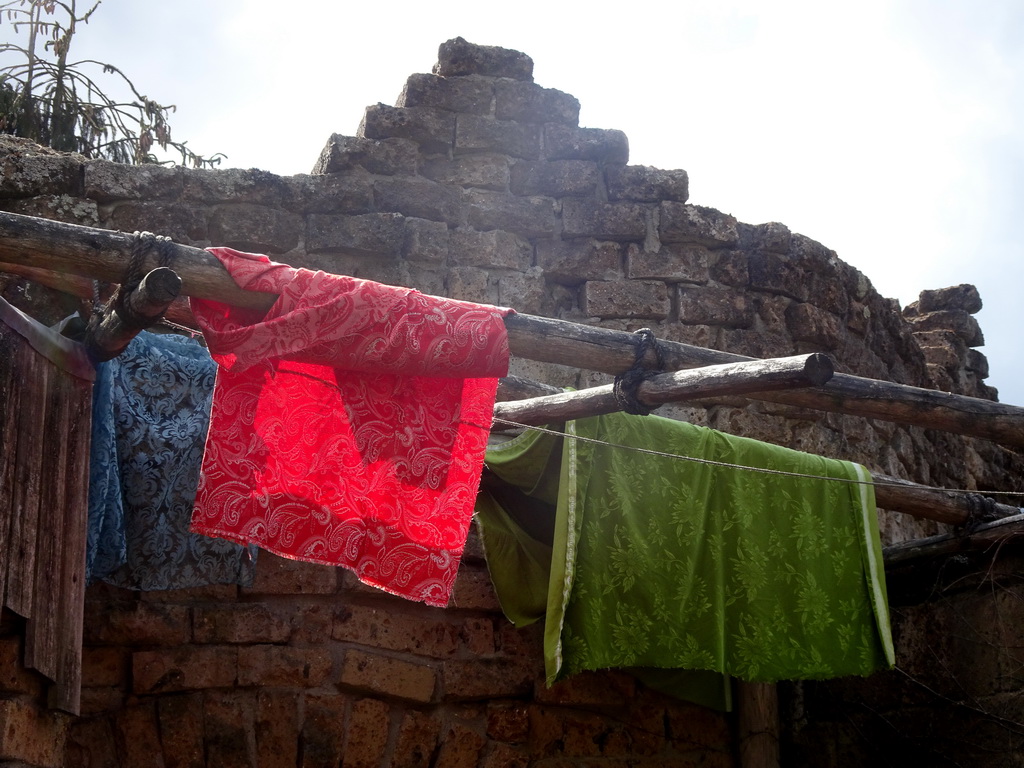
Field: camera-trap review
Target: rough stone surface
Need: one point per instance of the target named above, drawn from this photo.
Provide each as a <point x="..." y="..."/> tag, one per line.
<point x="673" y="263"/>
<point x="562" y="142"/>
<point x="643" y="183"/>
<point x="608" y="300"/>
<point x="468" y="95"/>
<point x="432" y="129"/>
<point x="459" y="57"/>
<point x="696" y="224"/>
<point x="527" y="102"/>
<point x="389" y="157"/>
<point x="604" y="221"/>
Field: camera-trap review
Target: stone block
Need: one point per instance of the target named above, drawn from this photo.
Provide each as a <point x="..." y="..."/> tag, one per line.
<point x="417" y="741"/>
<point x="432" y="129"/>
<point x="32" y="735"/>
<point x="184" y="224"/>
<point x="389" y="676"/>
<point x="471" y="95"/>
<point x="419" y="198"/>
<point x="525" y="292"/>
<point x="106" y="182"/>
<point x="681" y="223"/>
<point x="30" y="175"/>
<point x="474" y="133"/>
<point x="673" y="263"/>
<point x="104" y="666"/>
<point x="772" y="273"/>
<point x="481" y="679"/>
<point x="283" y="666"/>
<point x="495" y="248"/>
<point x="605" y="146"/>
<point x="642" y="183"/>
<point x="572" y="262"/>
<point x="370" y="234"/>
<point x="632" y="298"/>
<point x="255" y="228"/>
<point x="482" y="171"/>
<point x="527" y="102"/>
<point x="505" y="756"/>
<point x="277" y="575"/>
<point x="555" y="178"/>
<point x="604" y="221"/>
<point x="239" y="623"/>
<point x="473" y="590"/>
<point x="729" y="268"/>
<point x="508" y="722"/>
<point x="188" y="668"/>
<point x="715" y="306"/>
<point x="808" y="323"/>
<point x="963" y="297"/>
<point x="14" y="677"/>
<point x="977" y="363"/>
<point x="471" y="284"/>
<point x="460" y="748"/>
<point x="369" y="723"/>
<point x="387" y="629"/>
<point x="322" y="739"/>
<point x="958" y="321"/>
<point x="140" y="623"/>
<point x="459" y="57"/>
<point x="181" y="730"/>
<point x="228" y="720"/>
<point x="426" y="241"/>
<point x="235" y="185"/>
<point x="138" y="736"/>
<point x="588" y="689"/>
<point x="91" y="743"/>
<point x="277" y="729"/>
<point x="387" y="157"/>
<point x="73" y="210"/>
<point x="524" y="216"/>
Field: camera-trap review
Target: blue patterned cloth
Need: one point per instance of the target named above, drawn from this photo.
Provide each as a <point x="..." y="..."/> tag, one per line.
<point x="151" y="410"/>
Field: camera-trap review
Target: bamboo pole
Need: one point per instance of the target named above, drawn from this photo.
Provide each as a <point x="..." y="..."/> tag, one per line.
<point x="101" y="254"/>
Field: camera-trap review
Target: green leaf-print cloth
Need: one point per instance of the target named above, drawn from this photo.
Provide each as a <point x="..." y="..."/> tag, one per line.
<point x="670" y="564"/>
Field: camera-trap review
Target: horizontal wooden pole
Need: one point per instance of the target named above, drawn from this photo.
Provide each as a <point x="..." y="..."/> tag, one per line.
<point x="711" y="381"/>
<point x="985" y="535"/>
<point x="102" y="254"/>
<point x="111" y="329"/>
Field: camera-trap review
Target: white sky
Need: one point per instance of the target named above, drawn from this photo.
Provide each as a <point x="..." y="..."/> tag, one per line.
<point x="892" y="132"/>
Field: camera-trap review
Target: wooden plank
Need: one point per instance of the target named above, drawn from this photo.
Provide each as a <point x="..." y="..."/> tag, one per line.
<point x="10" y="400"/>
<point x="714" y="380"/>
<point x="102" y="254"/>
<point x="66" y="694"/>
<point x="41" y="650"/>
<point x="27" y="481"/>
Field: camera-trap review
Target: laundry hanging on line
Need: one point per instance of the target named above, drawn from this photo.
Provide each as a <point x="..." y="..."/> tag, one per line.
<point x="151" y="408"/>
<point x="349" y="423"/>
<point x="659" y="563"/>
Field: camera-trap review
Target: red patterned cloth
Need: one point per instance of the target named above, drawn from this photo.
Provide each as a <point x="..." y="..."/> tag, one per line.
<point x="349" y="423"/>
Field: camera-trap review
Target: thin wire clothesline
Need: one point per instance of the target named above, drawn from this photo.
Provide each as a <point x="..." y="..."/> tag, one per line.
<point x="727" y="465"/>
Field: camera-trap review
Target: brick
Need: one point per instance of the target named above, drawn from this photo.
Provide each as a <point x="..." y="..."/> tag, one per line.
<point x="322" y="739"/>
<point x="390" y="630"/>
<point x="138" y="737"/>
<point x="633" y="298"/>
<point x="495" y="248"/>
<point x="555" y="178"/>
<point x="473" y="590"/>
<point x="369" y="724"/>
<point x="97" y="700"/>
<point x="281" y="576"/>
<point x="31" y="734"/>
<point x="228" y="720"/>
<point x="368" y="234"/>
<point x="460" y="748"/>
<point x="504" y="756"/>
<point x="239" y="623"/>
<point x="139" y="623"/>
<point x="604" y="221"/>
<point x="387" y="157"/>
<point x="457" y="94"/>
<point x="563" y="142"/>
<point x="588" y="689"/>
<point x="483" y="171"/>
<point x="255" y="228"/>
<point x="523" y="216"/>
<point x="277" y="729"/>
<point x="459" y="57"/>
<point x="527" y="102"/>
<point x="105" y="666"/>
<point x="642" y="183"/>
<point x="426" y="241"/>
<point x="572" y="262"/>
<point x="433" y="129"/>
<point x="417" y="741"/>
<point x="508" y="723"/>
<point x="211" y="593"/>
<point x="681" y="223"/>
<point x="485" y="134"/>
<point x="487" y="678"/>
<point x="477" y="636"/>
<point x="715" y="306"/>
<point x="389" y="676"/>
<point x="181" y="730"/>
<point x="182" y="669"/>
<point x="282" y="665"/>
<point x="693" y="727"/>
<point x="672" y="263"/>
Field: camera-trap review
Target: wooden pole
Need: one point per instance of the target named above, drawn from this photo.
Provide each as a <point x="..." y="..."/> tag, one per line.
<point x="711" y="381"/>
<point x="101" y="254"/>
<point x="757" y="708"/>
<point x="120" y="321"/>
<point x="985" y="535"/>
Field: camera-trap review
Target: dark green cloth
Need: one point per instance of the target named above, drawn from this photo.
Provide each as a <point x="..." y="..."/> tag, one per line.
<point x="663" y="563"/>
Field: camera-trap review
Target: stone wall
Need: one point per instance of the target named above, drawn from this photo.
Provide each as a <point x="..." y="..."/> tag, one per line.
<point x="478" y="184"/>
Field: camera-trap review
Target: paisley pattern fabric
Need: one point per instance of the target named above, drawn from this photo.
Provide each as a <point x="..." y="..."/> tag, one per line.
<point x="663" y="563"/>
<point x="349" y="423"/>
<point x="151" y="408"/>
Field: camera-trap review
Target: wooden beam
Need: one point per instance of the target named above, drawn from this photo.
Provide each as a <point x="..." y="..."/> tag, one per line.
<point x="985" y="535"/>
<point x="711" y="381"/>
<point x="111" y="330"/>
<point x="102" y="254"/>
<point x="757" y="709"/>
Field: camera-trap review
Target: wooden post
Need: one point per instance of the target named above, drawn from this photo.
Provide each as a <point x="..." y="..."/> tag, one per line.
<point x="757" y="707"/>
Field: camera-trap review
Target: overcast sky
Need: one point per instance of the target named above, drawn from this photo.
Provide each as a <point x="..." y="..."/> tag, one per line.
<point x="892" y="132"/>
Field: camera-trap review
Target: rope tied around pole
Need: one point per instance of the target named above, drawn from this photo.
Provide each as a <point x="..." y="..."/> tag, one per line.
<point x="627" y="384"/>
<point x="142" y="244"/>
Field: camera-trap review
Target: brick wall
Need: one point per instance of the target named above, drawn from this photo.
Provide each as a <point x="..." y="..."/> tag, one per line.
<point x="478" y="184"/>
